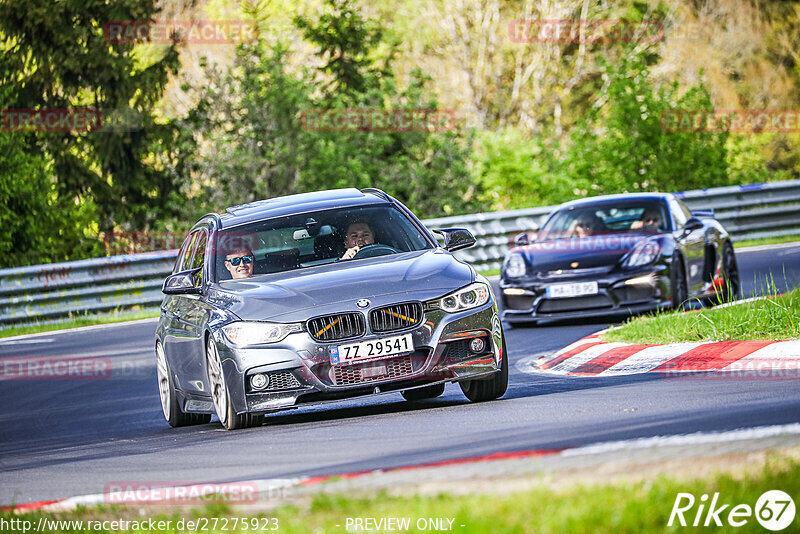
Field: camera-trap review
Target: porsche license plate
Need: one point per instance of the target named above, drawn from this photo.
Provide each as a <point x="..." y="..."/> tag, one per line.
<point x="372" y="349"/>
<point x="559" y="291"/>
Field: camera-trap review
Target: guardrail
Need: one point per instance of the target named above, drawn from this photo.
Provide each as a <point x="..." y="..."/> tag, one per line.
<point x="56" y="292"/>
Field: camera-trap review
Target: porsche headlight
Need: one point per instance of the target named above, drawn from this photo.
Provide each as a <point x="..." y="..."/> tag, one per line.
<point x="247" y="333"/>
<point x="472" y="296"/>
<point x="645" y="253"/>
<point x="515" y="266"/>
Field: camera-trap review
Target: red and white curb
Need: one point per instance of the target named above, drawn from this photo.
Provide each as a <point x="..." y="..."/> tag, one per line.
<point x="271" y="486"/>
<point x="591" y="356"/>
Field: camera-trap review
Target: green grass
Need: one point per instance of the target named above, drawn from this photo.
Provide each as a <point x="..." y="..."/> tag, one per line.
<point x="77" y="322"/>
<point x="770" y="318"/>
<point x="620" y="507"/>
<point x="767" y="241"/>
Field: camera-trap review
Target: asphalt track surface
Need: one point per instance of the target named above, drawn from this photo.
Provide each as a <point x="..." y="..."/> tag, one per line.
<point x="61" y="438"/>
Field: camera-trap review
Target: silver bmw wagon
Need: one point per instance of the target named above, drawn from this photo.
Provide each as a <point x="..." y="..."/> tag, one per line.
<point x="319" y="297"/>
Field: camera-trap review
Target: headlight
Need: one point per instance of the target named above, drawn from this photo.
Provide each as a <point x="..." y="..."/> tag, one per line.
<point x="515" y="266"/>
<point x="472" y="296"/>
<point x="645" y="253"/>
<point x="246" y="333"/>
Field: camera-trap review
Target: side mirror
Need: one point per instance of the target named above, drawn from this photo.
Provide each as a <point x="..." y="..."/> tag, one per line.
<point x="181" y="283"/>
<point x="456" y="238"/>
<point x="526" y="238"/>
<point x="692" y="224"/>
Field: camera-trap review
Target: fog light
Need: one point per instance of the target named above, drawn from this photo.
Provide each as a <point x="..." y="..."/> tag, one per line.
<point x="477" y="345"/>
<point x="259" y="381"/>
<point x="514" y="291"/>
<point x="646" y="280"/>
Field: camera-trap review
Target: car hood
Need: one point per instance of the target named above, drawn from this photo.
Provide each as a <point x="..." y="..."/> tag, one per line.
<point x="561" y="256"/>
<point x="298" y="295"/>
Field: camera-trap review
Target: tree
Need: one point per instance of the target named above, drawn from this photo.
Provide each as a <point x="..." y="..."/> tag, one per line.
<point x="623" y="146"/>
<point x="55" y="55"/>
<point x="253" y="115"/>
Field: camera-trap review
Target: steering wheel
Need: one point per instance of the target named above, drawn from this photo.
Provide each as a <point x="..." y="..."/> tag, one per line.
<point x="376" y="249"/>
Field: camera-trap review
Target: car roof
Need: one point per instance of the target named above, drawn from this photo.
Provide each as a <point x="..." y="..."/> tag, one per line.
<point x="663" y="197"/>
<point x="300" y="203"/>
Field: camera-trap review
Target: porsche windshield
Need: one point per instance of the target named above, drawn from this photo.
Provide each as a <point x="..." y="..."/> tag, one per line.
<point x="606" y="218"/>
<point x="314" y="238"/>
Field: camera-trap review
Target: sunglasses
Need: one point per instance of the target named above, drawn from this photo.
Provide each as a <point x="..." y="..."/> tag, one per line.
<point x="236" y="261"/>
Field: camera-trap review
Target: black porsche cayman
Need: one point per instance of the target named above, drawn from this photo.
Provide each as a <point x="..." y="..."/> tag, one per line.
<point x="617" y="254"/>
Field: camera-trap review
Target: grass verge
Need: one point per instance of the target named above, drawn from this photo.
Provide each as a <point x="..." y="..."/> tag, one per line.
<point x="88" y="320"/>
<point x="619" y="507"/>
<point x="776" y="317"/>
<point x="767" y="241"/>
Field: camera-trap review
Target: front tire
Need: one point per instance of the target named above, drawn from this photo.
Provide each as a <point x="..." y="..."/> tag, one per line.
<point x="169" y="399"/>
<point x="730" y="275"/>
<point x="680" y="292"/>
<point x="488" y="389"/>
<point x="428" y="392"/>
<point x="221" y="395"/>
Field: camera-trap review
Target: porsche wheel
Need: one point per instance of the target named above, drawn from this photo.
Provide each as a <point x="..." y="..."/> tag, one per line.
<point x="730" y="275"/>
<point x="221" y="395"/>
<point x="169" y="400"/>
<point x="680" y="292"/>
<point x="490" y="388"/>
<point x="428" y="392"/>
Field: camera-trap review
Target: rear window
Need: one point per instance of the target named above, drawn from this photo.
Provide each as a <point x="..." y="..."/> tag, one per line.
<point x="310" y="239"/>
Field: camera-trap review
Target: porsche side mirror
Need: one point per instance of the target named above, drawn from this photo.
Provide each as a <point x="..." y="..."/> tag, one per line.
<point x="456" y="238"/>
<point x="525" y="238"/>
<point x="692" y="224"/>
<point x="181" y="283"/>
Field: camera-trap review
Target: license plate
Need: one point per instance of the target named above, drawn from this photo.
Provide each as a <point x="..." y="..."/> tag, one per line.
<point x="558" y="291"/>
<point x="372" y="349"/>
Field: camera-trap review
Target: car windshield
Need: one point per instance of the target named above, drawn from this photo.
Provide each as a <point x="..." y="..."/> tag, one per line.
<point x="605" y="218"/>
<point x="314" y="238"/>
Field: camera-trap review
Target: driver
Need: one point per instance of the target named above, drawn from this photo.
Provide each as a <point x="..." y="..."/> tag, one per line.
<point x="358" y="234"/>
<point x="239" y="262"/>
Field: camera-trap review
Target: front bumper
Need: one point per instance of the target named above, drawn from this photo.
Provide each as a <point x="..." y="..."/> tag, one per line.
<point x="614" y="296"/>
<point x="300" y="371"/>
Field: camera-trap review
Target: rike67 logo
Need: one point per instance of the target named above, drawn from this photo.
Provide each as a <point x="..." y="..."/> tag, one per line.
<point x="774" y="510"/>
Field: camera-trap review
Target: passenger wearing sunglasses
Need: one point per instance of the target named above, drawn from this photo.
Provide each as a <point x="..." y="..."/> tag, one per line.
<point x="240" y="263"/>
<point x="650" y="220"/>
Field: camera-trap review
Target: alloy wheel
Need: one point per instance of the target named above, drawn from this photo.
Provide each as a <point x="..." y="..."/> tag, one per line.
<point x="216" y="380"/>
<point x="163" y="380"/>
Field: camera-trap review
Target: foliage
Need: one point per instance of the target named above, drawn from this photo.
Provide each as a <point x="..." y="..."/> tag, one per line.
<point x="518" y="171"/>
<point x="623" y="146"/>
<point x="37" y="223"/>
<point x="55" y="55"/>
<point x="251" y="121"/>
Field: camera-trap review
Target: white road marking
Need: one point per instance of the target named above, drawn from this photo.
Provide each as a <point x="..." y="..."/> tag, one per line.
<point x="570" y="364"/>
<point x="79" y="329"/>
<point x="697" y="438"/>
<point x="648" y="359"/>
<point x="26" y="341"/>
